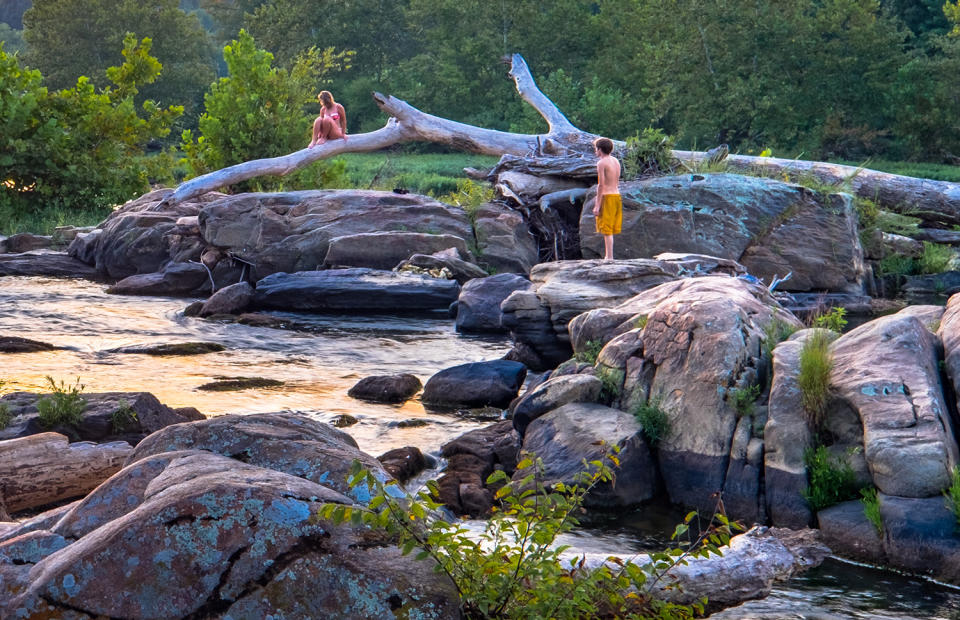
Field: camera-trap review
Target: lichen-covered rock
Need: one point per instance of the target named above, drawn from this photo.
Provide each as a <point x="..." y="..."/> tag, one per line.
<point x="291" y="443"/>
<point x="204" y="534"/>
<point x="355" y="289"/>
<point x="887" y="372"/>
<point x="685" y="346"/>
<point x="552" y="394"/>
<point x="575" y="432"/>
<point x="762" y="223"/>
<point x="478" y="307"/>
<point x="477" y="384"/>
<point x="386" y="388"/>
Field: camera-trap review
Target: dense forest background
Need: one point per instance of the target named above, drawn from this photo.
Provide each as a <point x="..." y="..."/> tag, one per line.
<point x="816" y="79"/>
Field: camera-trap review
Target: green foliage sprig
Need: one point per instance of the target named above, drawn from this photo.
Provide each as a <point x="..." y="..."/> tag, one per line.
<point x="591" y="350"/>
<point x="649" y="152"/>
<point x="654" y="421"/>
<point x="831" y="480"/>
<point x="871" y="507"/>
<point x="745" y="400"/>
<point x="833" y="319"/>
<point x="775" y="332"/>
<point x="952" y="494"/>
<point x="5" y="416"/>
<point x="513" y="568"/>
<point x="813" y="377"/>
<point x="123" y="417"/>
<point x="64" y="406"/>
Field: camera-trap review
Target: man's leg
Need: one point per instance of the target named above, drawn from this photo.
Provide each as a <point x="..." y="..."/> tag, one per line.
<point x="608" y="247"/>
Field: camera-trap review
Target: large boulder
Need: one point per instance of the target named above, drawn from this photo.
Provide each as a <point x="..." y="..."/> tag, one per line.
<point x="449" y="259"/>
<point x="471" y="458"/>
<point x="685" y="347"/>
<point x="762" y="223"/>
<point x="232" y="299"/>
<point x="107" y="416"/>
<point x="887" y="372"/>
<point x="359" y="289"/>
<point x="575" y="432"/>
<point x="173" y="279"/>
<point x="477" y="384"/>
<point x="387" y="249"/>
<point x="478" y="308"/>
<point x="292" y="231"/>
<point x="504" y="240"/>
<point x="199" y="534"/>
<point x="949" y="332"/>
<point x="291" y="443"/>
<point x="27" y="242"/>
<point x="553" y="394"/>
<point x="386" y="388"/>
<point x="45" y="263"/>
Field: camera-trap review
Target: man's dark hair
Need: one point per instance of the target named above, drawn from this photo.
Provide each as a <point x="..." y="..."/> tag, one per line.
<point x="604" y="145"/>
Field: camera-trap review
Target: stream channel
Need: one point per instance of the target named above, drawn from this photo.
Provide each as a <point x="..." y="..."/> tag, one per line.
<point x="318" y="365"/>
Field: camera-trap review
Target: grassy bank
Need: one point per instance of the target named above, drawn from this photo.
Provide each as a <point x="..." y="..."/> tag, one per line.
<point x="938" y="172"/>
<point x="428" y="173"/>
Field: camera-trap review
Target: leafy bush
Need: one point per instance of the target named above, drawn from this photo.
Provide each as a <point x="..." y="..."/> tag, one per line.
<point x="831" y="481"/>
<point x="63" y="406"/>
<point x="952" y="493"/>
<point x="813" y="377"/>
<point x="76" y="149"/>
<point x="832" y="319"/>
<point x="258" y="110"/>
<point x="591" y="350"/>
<point x="649" y="152"/>
<point x="744" y="400"/>
<point x="513" y="569"/>
<point x="775" y="332"/>
<point x="123" y="418"/>
<point x="469" y="195"/>
<point x="654" y="421"/>
<point x="935" y="258"/>
<point x="871" y="507"/>
<point x="611" y="380"/>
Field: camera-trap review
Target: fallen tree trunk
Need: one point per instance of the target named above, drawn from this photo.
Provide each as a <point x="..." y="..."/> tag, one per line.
<point x="45" y="468"/>
<point x="565" y="150"/>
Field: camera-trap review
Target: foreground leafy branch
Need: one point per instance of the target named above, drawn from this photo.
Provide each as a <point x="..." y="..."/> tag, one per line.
<point x="513" y="567"/>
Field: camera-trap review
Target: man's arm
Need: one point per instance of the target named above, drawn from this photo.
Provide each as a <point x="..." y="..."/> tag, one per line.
<point x="601" y="178"/>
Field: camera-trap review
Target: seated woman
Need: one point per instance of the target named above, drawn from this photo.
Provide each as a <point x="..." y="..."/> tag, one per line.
<point x="332" y="122"/>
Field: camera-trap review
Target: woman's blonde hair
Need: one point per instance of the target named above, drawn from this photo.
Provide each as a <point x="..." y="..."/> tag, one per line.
<point x="326" y="98"/>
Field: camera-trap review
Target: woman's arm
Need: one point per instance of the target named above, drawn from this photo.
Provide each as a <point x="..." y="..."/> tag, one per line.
<point x="343" y="121"/>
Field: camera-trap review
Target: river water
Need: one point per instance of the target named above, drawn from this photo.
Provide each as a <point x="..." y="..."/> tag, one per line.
<point x="318" y="365"/>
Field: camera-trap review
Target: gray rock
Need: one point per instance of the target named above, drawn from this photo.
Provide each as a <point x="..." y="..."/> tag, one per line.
<point x="477" y="384"/>
<point x="552" y="394"/>
<point x="291" y="443"/>
<point x="386" y="388"/>
<point x="45" y="263"/>
<point x="28" y="242"/>
<point x="762" y="223"/>
<point x="354" y="289"/>
<point x="566" y="436"/>
<point x="478" y="307"/>
<point x="461" y="270"/>
<point x="176" y="279"/>
<point x="15" y="344"/>
<point x="504" y="239"/>
<point x="920" y="535"/>
<point x="847" y="532"/>
<point x="232" y="299"/>
<point x="84" y="246"/>
<point x="386" y="250"/>
<point x="176" y="348"/>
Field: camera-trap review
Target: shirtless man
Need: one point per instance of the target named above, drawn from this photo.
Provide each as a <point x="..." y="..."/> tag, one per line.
<point x="607" y="208"/>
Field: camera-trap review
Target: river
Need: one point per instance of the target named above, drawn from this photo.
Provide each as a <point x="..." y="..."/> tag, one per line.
<point x="318" y="365"/>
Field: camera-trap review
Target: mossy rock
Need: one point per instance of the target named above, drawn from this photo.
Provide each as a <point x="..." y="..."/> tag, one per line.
<point x="230" y="384"/>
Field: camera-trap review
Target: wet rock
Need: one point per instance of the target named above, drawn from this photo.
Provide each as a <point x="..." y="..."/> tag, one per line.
<point x="923" y="289"/>
<point x="28" y="242"/>
<point x="193" y="309"/>
<point x="386" y="388"/>
<point x="553" y="394"/>
<point x="386" y="250"/>
<point x="84" y="246"/>
<point x="887" y="372"/>
<point x="471" y="458"/>
<point x="355" y="289"/>
<point x="845" y="529"/>
<point x="291" y="232"/>
<point x="686" y="345"/>
<point x="477" y="384"/>
<point x="232" y="384"/>
<point x="15" y="344"/>
<point x="403" y="463"/>
<point x="176" y="348"/>
<point x="45" y="263"/>
<point x="176" y="279"/>
<point x="343" y="420"/>
<point x="461" y="270"/>
<point x="290" y="443"/>
<point x="412" y="423"/>
<point x="205" y="532"/>
<point x="762" y="223"/>
<point x="504" y="239"/>
<point x="478" y="307"/>
<point x="232" y="299"/>
<point x="566" y="436"/>
<point x="108" y="416"/>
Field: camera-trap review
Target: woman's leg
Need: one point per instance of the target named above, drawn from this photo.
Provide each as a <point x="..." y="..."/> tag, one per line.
<point x="315" y="133"/>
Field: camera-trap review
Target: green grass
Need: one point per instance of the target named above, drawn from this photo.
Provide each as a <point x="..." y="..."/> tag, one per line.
<point x="775" y="332"/>
<point x="425" y="173"/>
<point x="813" y="377"/>
<point x="5" y="416"/>
<point x="939" y="172"/>
<point x="653" y="420"/>
<point x="871" y="507"/>
<point x="591" y="350"/>
<point x="611" y="380"/>
<point x="44" y="221"/>
<point x="64" y="405"/>
<point x="831" y="480"/>
<point x="952" y="493"/>
<point x="744" y="400"/>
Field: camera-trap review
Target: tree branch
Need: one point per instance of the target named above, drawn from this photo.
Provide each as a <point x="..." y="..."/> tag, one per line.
<point x="529" y="92"/>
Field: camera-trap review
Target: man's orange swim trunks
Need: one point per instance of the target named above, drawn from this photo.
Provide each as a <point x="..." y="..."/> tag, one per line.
<point x="611" y="215"/>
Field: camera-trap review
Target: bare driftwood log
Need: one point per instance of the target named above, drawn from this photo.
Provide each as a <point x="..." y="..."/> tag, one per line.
<point x="46" y="468"/>
<point x="566" y="151"/>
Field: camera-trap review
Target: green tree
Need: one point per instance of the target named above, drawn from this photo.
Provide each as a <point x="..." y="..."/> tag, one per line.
<point x="69" y="38"/>
<point x="76" y="148"/>
<point x="12" y="39"/>
<point x="258" y="110"/>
